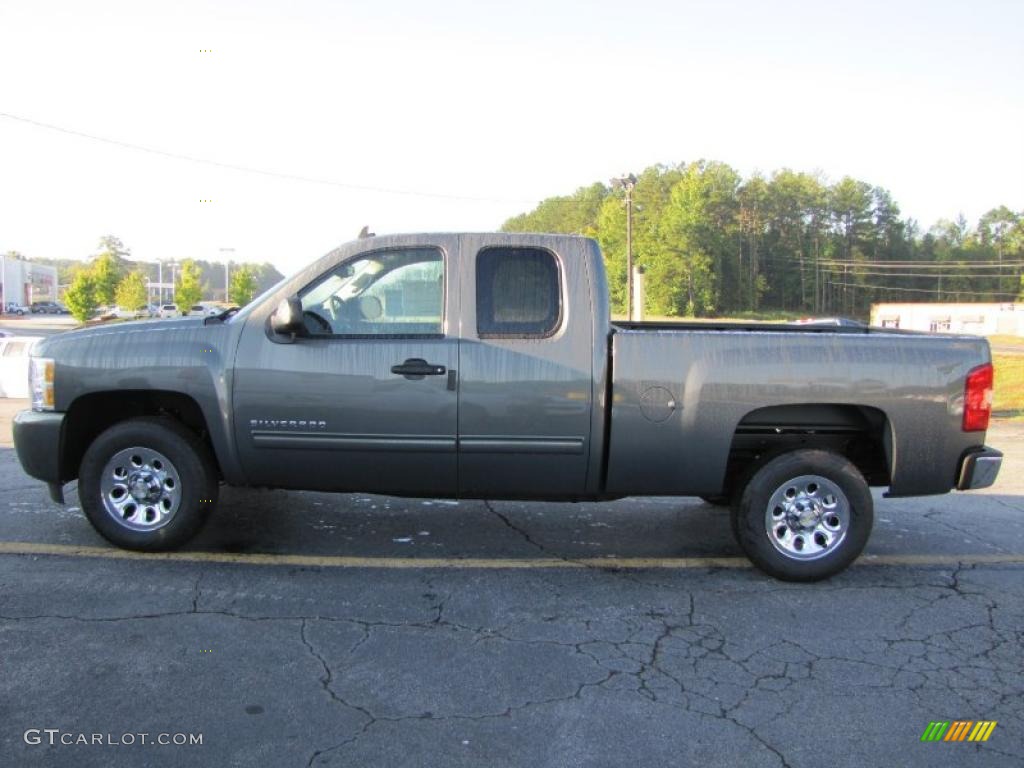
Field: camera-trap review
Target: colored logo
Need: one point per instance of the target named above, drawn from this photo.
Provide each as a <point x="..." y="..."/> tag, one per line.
<point x="958" y="730"/>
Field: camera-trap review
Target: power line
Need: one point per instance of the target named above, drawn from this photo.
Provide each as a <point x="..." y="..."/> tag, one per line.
<point x="949" y="291"/>
<point x="867" y="267"/>
<point x="900" y="275"/>
<point x="260" y="171"/>
<point x="922" y="264"/>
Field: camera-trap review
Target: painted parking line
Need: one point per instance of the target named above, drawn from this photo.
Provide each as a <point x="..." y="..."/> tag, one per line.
<point x="470" y="563"/>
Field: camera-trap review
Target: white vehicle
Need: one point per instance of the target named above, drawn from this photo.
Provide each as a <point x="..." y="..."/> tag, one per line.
<point x="14" y="352"/>
<point x="13" y="308"/>
<point x="197" y="311"/>
<point x="168" y="310"/>
<point x="122" y="313"/>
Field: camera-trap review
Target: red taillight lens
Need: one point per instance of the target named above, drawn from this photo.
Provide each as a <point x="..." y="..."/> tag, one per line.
<point x="978" y="398"/>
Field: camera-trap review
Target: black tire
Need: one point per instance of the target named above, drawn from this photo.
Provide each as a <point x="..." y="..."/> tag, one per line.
<point x="716" y="501"/>
<point x="749" y="517"/>
<point x="189" y="457"/>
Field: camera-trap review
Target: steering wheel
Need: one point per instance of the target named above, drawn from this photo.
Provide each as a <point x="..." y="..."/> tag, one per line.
<point x="315" y="323"/>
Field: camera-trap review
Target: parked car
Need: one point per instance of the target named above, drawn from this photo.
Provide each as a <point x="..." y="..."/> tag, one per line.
<point x="14" y="363"/>
<point x="169" y="310"/>
<point x="121" y="313"/>
<point x="14" y="308"/>
<point x="486" y="366"/>
<point x="197" y="310"/>
<point x="843" y="321"/>
<point x="45" y="308"/>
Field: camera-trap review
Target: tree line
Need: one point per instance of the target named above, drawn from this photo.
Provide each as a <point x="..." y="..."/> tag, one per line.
<point x="110" y="277"/>
<point x="712" y="243"/>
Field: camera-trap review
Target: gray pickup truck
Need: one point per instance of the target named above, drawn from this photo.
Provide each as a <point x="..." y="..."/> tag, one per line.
<point x="487" y="366"/>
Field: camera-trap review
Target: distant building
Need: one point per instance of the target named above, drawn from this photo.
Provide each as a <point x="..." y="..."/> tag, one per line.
<point x="979" y="319"/>
<point x="24" y="282"/>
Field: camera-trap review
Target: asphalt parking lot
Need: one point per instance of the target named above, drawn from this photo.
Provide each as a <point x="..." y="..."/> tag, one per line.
<point x="352" y="630"/>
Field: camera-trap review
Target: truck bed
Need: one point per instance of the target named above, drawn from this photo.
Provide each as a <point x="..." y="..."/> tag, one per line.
<point x="686" y="394"/>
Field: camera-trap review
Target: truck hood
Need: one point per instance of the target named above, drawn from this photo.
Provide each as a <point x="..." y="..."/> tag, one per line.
<point x="113" y="334"/>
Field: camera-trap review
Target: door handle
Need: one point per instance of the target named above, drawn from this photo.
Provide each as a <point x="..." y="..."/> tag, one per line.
<point x="417" y="368"/>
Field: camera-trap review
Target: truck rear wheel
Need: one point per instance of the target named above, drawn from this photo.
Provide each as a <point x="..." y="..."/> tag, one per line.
<point x="804" y="515"/>
<point x="147" y="484"/>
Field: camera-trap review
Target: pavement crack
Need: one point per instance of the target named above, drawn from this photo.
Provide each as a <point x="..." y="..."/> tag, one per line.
<point x="933" y="515"/>
<point x="521" y="531"/>
<point x="325" y="682"/>
<point x="196" y="593"/>
<point x="611" y="567"/>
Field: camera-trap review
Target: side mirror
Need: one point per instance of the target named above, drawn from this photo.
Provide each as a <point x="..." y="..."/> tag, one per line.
<point x="287" y="318"/>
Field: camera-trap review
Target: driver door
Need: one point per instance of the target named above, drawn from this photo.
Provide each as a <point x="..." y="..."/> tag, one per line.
<point x="366" y="399"/>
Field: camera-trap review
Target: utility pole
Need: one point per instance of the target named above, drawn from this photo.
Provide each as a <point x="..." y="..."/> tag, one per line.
<point x="174" y="282"/>
<point x="627" y="183"/>
<point x="227" y="277"/>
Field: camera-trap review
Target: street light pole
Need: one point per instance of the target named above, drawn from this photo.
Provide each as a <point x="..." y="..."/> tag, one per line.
<point x="227" y="277"/>
<point x="174" y="282"/>
<point x="628" y="183"/>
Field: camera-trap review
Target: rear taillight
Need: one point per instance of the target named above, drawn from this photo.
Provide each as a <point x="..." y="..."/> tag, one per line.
<point x="978" y="398"/>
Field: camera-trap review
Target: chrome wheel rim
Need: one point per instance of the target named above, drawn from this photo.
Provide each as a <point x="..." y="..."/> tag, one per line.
<point x="807" y="517"/>
<point x="141" y="489"/>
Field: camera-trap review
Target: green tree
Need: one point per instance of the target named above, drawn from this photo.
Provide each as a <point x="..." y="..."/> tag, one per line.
<point x="108" y="267"/>
<point x="189" y="289"/>
<point x="574" y="214"/>
<point x="712" y="242"/>
<point x="243" y="285"/>
<point x="80" y="296"/>
<point x="114" y="247"/>
<point x="693" y="240"/>
<point x="1002" y="229"/>
<point x="106" y="274"/>
<point x="131" y="291"/>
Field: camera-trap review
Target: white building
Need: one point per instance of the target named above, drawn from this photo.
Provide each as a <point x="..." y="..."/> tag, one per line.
<point x="979" y="319"/>
<point x="23" y="282"/>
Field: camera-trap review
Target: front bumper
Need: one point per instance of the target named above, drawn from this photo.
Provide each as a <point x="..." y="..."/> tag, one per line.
<point x="978" y="469"/>
<point x="37" y="440"/>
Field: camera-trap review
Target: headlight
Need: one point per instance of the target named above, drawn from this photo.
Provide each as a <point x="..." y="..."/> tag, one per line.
<point x="40" y="383"/>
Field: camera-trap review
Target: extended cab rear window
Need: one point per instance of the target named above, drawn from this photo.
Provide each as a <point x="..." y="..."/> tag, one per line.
<point x="518" y="293"/>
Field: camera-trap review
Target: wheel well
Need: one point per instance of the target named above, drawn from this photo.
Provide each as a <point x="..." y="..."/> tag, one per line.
<point x="91" y="414"/>
<point x="860" y="433"/>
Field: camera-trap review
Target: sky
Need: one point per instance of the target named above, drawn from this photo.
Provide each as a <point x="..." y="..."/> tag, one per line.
<point x="411" y="116"/>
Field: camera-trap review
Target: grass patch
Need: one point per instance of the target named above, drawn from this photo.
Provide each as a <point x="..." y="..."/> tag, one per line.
<point x="1006" y="341"/>
<point x="1008" y="395"/>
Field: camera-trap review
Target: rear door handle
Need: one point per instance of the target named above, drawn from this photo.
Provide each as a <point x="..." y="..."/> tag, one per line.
<point x="417" y="368"/>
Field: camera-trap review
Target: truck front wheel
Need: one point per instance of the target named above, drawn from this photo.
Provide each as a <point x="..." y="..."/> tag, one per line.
<point x="804" y="515"/>
<point x="147" y="484"/>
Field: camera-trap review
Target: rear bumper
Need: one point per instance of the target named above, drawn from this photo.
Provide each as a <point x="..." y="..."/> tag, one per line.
<point x="37" y="439"/>
<point x="978" y="469"/>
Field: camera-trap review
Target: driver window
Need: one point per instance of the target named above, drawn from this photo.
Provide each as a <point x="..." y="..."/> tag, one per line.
<point x="385" y="293"/>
